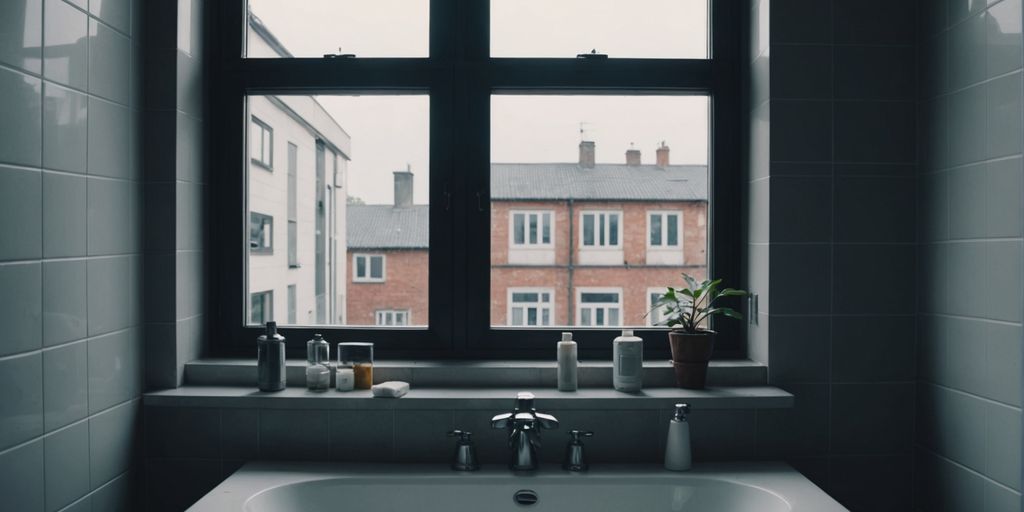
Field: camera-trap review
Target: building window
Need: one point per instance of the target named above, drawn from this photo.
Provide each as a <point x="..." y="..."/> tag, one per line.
<point x="261" y="233"/>
<point x="601" y="229"/>
<point x="530" y="306"/>
<point x="663" y="229"/>
<point x="597" y="307"/>
<point x="531" y="229"/>
<point x="395" y="317"/>
<point x="291" y="305"/>
<point x="654" y="316"/>
<point x="261" y="143"/>
<point x="293" y="207"/>
<point x="368" y="268"/>
<point x="261" y="307"/>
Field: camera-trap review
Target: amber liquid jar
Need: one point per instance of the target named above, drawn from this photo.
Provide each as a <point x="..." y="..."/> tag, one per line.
<point x="360" y="356"/>
<point x="364" y="375"/>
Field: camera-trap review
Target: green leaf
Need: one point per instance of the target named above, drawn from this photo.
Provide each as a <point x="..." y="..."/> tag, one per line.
<point x="690" y="281"/>
<point x="731" y="313"/>
<point x="732" y="292"/>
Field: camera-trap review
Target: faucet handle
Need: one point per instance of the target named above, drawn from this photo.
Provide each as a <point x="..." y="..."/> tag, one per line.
<point x="574" y="459"/>
<point x="546" y="421"/>
<point x="465" y="436"/>
<point x="465" y="453"/>
<point x="501" y="420"/>
<point x="524" y="401"/>
<point x="576" y="435"/>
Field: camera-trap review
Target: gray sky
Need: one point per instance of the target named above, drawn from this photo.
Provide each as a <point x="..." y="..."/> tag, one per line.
<point x="389" y="132"/>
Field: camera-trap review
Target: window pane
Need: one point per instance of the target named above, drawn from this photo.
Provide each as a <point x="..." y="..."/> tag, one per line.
<point x="351" y="189"/>
<point x="313" y="28"/>
<point x="524" y="297"/>
<point x="533" y="229"/>
<point x="547" y="228"/>
<point x="517" y="316"/>
<point x="518" y="229"/>
<point x="634" y="29"/>
<point x="531" y="316"/>
<point x="597" y="202"/>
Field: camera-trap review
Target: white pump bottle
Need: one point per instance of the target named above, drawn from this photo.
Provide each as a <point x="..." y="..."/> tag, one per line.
<point x="677" y="446"/>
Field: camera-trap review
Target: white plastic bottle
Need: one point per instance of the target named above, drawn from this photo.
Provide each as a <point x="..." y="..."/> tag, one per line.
<point x="677" y="446"/>
<point x="567" y="363"/>
<point x="628" y="362"/>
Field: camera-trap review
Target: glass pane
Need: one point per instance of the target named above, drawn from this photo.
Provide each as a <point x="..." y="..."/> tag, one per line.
<point x="313" y="28"/>
<point x="524" y="297"/>
<point x="542" y="161"/>
<point x="518" y="229"/>
<point x="662" y="29"/>
<point x="547" y="228"/>
<point x="517" y="316"/>
<point x="531" y="316"/>
<point x="655" y="229"/>
<point x="355" y="179"/>
<point x="533" y="229"/>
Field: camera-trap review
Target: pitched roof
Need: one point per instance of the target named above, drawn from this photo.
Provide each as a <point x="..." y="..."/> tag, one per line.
<point x="382" y="226"/>
<point x="603" y="182"/>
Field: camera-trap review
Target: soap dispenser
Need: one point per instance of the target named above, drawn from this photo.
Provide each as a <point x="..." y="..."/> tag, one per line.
<point x="465" y="452"/>
<point x="271" y="374"/>
<point x="567" y="363"/>
<point x="677" y="446"/>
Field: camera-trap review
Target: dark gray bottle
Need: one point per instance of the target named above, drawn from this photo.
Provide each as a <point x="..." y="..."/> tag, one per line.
<point x="270" y="359"/>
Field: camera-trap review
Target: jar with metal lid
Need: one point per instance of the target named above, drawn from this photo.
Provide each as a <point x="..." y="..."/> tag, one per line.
<point x="360" y="356"/>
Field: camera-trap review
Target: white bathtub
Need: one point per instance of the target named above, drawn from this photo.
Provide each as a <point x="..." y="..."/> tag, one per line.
<point x="733" y="487"/>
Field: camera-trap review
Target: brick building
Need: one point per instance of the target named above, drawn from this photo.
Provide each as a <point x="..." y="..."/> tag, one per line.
<point x="582" y="243"/>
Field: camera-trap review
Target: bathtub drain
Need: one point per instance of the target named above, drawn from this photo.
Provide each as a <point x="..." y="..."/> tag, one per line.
<point x="525" y="497"/>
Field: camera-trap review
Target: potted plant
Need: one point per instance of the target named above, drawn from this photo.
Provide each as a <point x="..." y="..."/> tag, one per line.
<point x="686" y="311"/>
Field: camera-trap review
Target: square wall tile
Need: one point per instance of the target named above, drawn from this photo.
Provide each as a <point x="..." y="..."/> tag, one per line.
<point x="801" y="72"/>
<point x="289" y="434"/>
<point x="875" y="209"/>
<point x="801" y="209"/>
<point x="66" y="465"/>
<point x="21" y="307"/>
<point x="874" y="72"/>
<point x="933" y="206"/>
<point x="800" y="431"/>
<point x="968" y="188"/>
<point x="965" y="354"/>
<point x="107" y="216"/>
<point x="932" y="134"/>
<point x="108" y="294"/>
<point x="887" y="477"/>
<point x="108" y="139"/>
<point x="174" y="432"/>
<point x="1003" y="371"/>
<point x="715" y="434"/>
<point x="21" y="200"/>
<point x="801" y="131"/>
<point x="65" y="128"/>
<point x="110" y="371"/>
<point x="1003" y="28"/>
<point x="109" y="62"/>
<point x="814" y="25"/>
<point x="858" y="269"/>
<point x="859" y="21"/>
<point x="64" y="225"/>
<point x="113" y="442"/>
<point x="799" y="349"/>
<point x="21" y="35"/>
<point x="118" y="495"/>
<point x="1003" y="281"/>
<point x="65" y="385"/>
<point x="968" y="258"/>
<point x="66" y="45"/>
<point x="872" y="419"/>
<point x="967" y="124"/>
<point x="21" y="477"/>
<point x="1004" y="116"/>
<point x="239" y="433"/>
<point x="364" y="436"/>
<point x="421" y="435"/>
<point x="21" y="105"/>
<point x="65" y="316"/>
<point x="1003" y="445"/>
<point x="967" y="58"/>
<point x="21" y="405"/>
<point x="875" y="131"/>
<point x="807" y="264"/>
<point x="873" y="349"/>
<point x="1004" y="212"/>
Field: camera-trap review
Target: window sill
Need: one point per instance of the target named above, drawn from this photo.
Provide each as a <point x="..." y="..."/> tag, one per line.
<point x="481" y="374"/>
<point x="759" y="397"/>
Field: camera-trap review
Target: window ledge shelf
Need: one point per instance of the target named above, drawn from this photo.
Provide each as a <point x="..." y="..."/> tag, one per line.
<point x="755" y="397"/>
<point x="481" y="374"/>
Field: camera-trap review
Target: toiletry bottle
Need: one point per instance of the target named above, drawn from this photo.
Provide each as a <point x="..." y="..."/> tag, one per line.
<point x="567" y="363"/>
<point x="677" y="446"/>
<point x="270" y="371"/>
<point x="318" y="375"/>
<point x="345" y="378"/>
<point x="360" y="356"/>
<point x="628" y="360"/>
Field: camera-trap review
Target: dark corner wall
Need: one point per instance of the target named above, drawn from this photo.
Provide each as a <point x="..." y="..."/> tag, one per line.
<point x="968" y="443"/>
<point x="71" y="254"/>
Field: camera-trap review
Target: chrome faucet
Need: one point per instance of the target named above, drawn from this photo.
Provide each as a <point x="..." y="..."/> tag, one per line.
<point x="524" y="424"/>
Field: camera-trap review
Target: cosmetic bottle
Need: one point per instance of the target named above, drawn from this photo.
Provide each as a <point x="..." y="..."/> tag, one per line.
<point x="360" y="356"/>
<point x="344" y="378"/>
<point x="270" y="368"/>
<point x="677" y="446"/>
<point x="628" y="362"/>
<point x="318" y="374"/>
<point x="318" y="351"/>
<point x="567" y="363"/>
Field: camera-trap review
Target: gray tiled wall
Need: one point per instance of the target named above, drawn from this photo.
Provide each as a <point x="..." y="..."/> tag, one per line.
<point x="71" y="258"/>
<point x="968" y="447"/>
<point x="174" y="192"/>
<point x="833" y="241"/>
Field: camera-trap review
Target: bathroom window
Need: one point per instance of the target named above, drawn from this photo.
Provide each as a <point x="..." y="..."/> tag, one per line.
<point x="392" y="317"/>
<point x="262" y="144"/>
<point x="530" y="307"/>
<point x="261" y="233"/>
<point x="599" y="307"/>
<point x="368" y="268"/>
<point x="261" y="307"/>
<point x="519" y="166"/>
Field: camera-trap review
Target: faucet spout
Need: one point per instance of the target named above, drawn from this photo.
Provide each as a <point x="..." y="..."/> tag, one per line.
<point x="524" y="424"/>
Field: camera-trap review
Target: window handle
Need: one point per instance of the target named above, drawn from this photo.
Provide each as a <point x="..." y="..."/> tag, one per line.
<point x="480" y="200"/>
<point x="593" y="55"/>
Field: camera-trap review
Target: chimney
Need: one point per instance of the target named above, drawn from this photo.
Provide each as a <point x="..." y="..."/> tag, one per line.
<point x="587" y="154"/>
<point x="403" y="188"/>
<point x="662" y="153"/>
<point x="632" y="156"/>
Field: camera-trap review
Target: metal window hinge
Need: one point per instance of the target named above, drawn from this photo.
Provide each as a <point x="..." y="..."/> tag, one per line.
<point x="593" y="55"/>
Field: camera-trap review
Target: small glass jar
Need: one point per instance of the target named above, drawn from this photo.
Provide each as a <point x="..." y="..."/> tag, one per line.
<point x="318" y="356"/>
<point x="318" y="377"/>
<point x="360" y="357"/>
<point x="344" y="378"/>
<point x="318" y="351"/>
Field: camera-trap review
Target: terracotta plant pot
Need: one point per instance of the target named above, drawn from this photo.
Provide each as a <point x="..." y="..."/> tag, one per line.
<point x="690" y="356"/>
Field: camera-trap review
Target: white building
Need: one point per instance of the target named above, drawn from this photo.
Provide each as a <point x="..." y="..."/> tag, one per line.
<point x="298" y="158"/>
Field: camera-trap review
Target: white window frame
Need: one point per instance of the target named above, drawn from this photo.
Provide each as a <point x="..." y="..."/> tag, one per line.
<point x="356" y="278"/>
<point x="654" y="316"/>
<point x="606" y="246"/>
<point x="594" y="306"/>
<point x="526" y="229"/>
<point x="380" y="317"/>
<point x="664" y="230"/>
<point x="550" y="306"/>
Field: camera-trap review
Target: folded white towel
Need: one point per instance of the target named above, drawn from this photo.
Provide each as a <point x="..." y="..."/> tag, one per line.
<point x="390" y="389"/>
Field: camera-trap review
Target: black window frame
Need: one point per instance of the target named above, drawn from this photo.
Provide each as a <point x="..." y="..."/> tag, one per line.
<point x="460" y="76"/>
